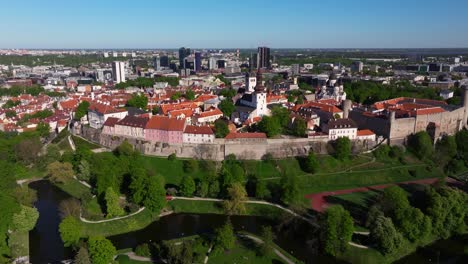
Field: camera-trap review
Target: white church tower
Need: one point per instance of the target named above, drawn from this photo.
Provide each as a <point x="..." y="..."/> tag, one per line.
<point x="260" y="96"/>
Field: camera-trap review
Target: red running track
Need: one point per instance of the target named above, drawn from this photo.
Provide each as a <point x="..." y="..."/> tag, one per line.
<point x="319" y="204"/>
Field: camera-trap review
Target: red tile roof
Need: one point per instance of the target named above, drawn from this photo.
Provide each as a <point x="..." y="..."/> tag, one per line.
<point x="213" y="112"/>
<point x="165" y="123"/>
<point x="104" y="109"/>
<point x="198" y="130"/>
<point x="365" y="132"/>
<point x="133" y="121"/>
<point x="111" y="121"/>
<point x="234" y="135"/>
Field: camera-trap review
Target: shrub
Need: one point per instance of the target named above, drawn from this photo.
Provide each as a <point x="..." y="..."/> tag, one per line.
<point x="143" y="250"/>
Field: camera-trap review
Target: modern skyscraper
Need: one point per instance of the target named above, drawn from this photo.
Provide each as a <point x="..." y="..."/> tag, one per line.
<point x="183" y="53"/>
<point x="213" y="63"/>
<point x="164" y="61"/>
<point x="157" y="63"/>
<point x="263" y="58"/>
<point x="118" y="69"/>
<point x="357" y="66"/>
<point x="198" y="61"/>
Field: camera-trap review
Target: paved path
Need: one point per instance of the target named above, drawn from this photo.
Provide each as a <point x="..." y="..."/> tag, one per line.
<point x="112" y="219"/>
<point x="319" y="204"/>
<point x="72" y="144"/>
<point x="357" y="245"/>
<point x="133" y="256"/>
<point x="277" y="252"/>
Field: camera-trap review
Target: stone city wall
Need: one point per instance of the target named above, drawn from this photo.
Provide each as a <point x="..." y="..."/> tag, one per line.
<point x="243" y="149"/>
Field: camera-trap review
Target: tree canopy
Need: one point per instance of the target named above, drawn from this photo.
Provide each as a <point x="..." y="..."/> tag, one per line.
<point x="101" y="250"/>
<point x="337" y="230"/>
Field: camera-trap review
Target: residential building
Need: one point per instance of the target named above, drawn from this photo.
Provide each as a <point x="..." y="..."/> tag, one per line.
<point x="198" y="135"/>
<point x="98" y="113"/>
<point x="131" y="126"/>
<point x="342" y="127"/>
<point x="165" y="129"/>
<point x="118" y="70"/>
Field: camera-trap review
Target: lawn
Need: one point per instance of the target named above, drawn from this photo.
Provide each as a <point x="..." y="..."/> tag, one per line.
<point x="124" y="259"/>
<point x="79" y="142"/>
<point x="204" y="207"/>
<point x="171" y="170"/>
<point x="74" y="188"/>
<point x="136" y="222"/>
<point x="243" y="252"/>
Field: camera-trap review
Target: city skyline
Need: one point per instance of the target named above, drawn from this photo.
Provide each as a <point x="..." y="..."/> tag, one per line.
<point x="243" y="24"/>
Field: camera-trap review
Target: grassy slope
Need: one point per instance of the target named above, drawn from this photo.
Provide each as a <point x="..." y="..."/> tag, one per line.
<point x="79" y="142"/>
<point x="123" y="259"/>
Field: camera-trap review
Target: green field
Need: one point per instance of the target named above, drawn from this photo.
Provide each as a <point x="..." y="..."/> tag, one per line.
<point x="243" y="252"/>
<point x="79" y="142"/>
<point x="204" y="207"/>
<point x="136" y="222"/>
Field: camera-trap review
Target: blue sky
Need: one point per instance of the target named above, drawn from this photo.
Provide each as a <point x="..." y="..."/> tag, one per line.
<point x="233" y="23"/>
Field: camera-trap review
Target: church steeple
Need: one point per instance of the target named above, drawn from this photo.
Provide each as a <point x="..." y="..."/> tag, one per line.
<point x="259" y="88"/>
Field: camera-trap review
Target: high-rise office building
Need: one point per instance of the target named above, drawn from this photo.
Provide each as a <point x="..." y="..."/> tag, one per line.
<point x="118" y="69"/>
<point x="221" y="64"/>
<point x="164" y="61"/>
<point x="157" y="63"/>
<point x="183" y="53"/>
<point x="198" y="61"/>
<point x="253" y="61"/>
<point x="357" y="66"/>
<point x="263" y="58"/>
<point x="213" y="63"/>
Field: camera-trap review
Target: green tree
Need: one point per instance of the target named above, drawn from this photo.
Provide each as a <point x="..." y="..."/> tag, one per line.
<point x="237" y="195"/>
<point x="290" y="193"/>
<point x="175" y="96"/>
<point x="190" y="95"/>
<point x="202" y="188"/>
<point x="299" y="127"/>
<point x="101" y="250"/>
<point x="25" y="219"/>
<point x="394" y="200"/>
<point x="60" y="172"/>
<point x="413" y="224"/>
<point x="84" y="171"/>
<point x="70" y="231"/>
<point x="43" y="129"/>
<point x="187" y="186"/>
<point x="155" y="198"/>
<point x="448" y="211"/>
<point x="421" y="145"/>
<point x="10" y="114"/>
<point x="227" y="107"/>
<point x="266" y="248"/>
<point x="190" y="165"/>
<point x="311" y="163"/>
<point x="385" y="236"/>
<point x="112" y="203"/>
<point x="337" y="230"/>
<point x="342" y="148"/>
<point x="138" y="101"/>
<point x="270" y="126"/>
<point x="221" y="128"/>
<point x="82" y="257"/>
<point x="81" y="110"/>
<point x="138" y="184"/>
<point x="224" y="236"/>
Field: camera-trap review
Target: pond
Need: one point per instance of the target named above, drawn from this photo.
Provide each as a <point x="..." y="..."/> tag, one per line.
<point x="46" y="245"/>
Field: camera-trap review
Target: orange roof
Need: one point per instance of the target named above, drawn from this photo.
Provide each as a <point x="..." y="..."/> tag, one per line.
<point x="275" y="98"/>
<point x="186" y="112"/>
<point x="166" y="108"/>
<point x="324" y="107"/>
<point x="234" y="135"/>
<point x="69" y="104"/>
<point x="165" y="123"/>
<point x="429" y="111"/>
<point x="214" y="112"/>
<point x="104" y="109"/>
<point x="205" y="97"/>
<point x="365" y="132"/>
